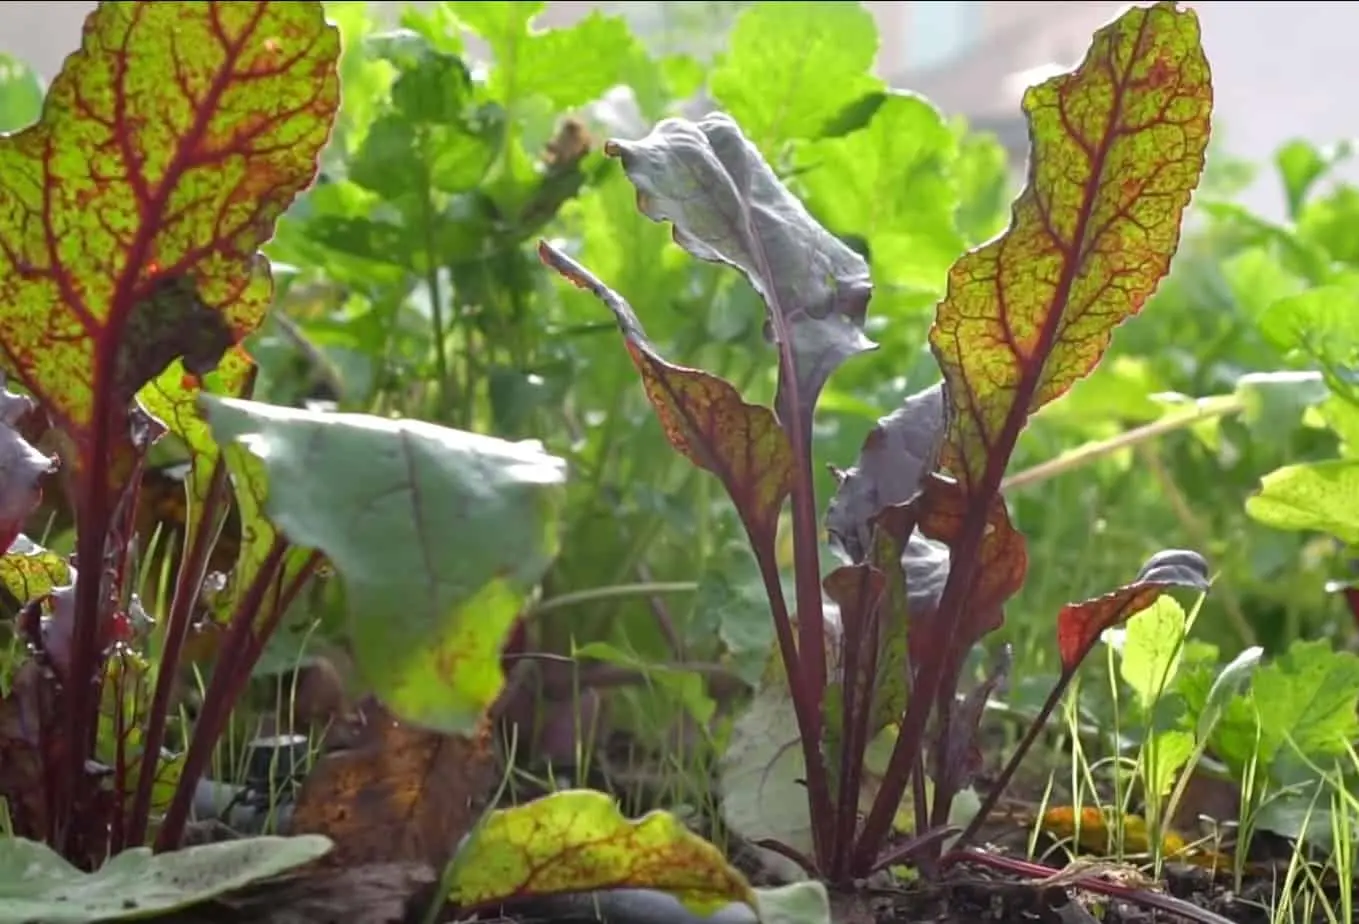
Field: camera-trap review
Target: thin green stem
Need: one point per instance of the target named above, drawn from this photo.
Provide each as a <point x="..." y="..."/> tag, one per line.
<point x="613" y="592"/>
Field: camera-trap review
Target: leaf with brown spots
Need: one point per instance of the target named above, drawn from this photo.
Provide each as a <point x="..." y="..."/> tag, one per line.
<point x="704" y="417"/>
<point x="578" y="841"/>
<point x="1079" y="625"/>
<point x="401" y="794"/>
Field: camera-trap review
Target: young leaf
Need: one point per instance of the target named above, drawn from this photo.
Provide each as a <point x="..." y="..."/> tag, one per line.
<point x="36" y="884"/>
<point x="437" y="534"/>
<point x="728" y="207"/>
<point x="20" y="95"/>
<point x="578" y="841"/>
<point x="134" y="214"/>
<point x="1152" y="648"/>
<point x="1079" y="625"/>
<point x="1118" y="146"/>
<point x="896" y="457"/>
<point x="704" y="418"/>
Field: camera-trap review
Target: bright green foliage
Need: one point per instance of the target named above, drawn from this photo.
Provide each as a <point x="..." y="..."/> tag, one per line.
<point x="36" y="884"/>
<point x="438" y="536"/>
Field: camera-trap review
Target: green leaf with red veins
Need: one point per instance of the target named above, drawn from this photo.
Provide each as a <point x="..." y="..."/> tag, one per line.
<point x="1118" y="147"/>
<point x="173" y="398"/>
<point x="133" y="210"/>
<point x="727" y="206"/>
<point x="704" y="418"/>
<point x="29" y="571"/>
<point x="1079" y="625"/>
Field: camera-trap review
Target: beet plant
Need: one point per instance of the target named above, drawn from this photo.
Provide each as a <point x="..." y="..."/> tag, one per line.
<point x="131" y="217"/>
<point x="871" y="651"/>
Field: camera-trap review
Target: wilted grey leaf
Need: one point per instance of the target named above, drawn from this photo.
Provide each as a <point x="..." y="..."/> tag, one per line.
<point x="727" y="206"/>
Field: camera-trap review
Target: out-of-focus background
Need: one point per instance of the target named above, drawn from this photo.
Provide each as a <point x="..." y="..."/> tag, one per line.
<point x="1281" y="69"/>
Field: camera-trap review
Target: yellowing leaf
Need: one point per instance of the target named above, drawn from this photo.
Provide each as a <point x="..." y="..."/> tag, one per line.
<point x="577" y="841"/>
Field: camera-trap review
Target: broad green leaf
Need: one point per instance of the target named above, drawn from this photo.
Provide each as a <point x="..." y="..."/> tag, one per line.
<point x="1152" y="644"/>
<point x="1118" y="146"/>
<point x="761" y="772"/>
<point x="1321" y="322"/>
<point x="21" y="93"/>
<point x="438" y="535"/>
<point x="1257" y="278"/>
<point x="1309" y="694"/>
<point x="1315" y="496"/>
<point x="578" y="841"/>
<point x="790" y="68"/>
<point x="892" y="184"/>
<point x="133" y="215"/>
<point x="36" y="884"/>
<point x="1301" y="164"/>
<point x="728" y="207"/>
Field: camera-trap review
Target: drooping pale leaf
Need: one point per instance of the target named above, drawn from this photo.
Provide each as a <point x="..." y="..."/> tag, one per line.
<point x="21" y="94"/>
<point x="1117" y="147"/>
<point x="898" y="453"/>
<point x="704" y="417"/>
<point x="760" y="773"/>
<point x="1079" y="625"/>
<point x="1153" y="643"/>
<point x="29" y="571"/>
<point x="579" y="841"/>
<point x="135" y="208"/>
<point x="437" y="534"/>
<point x="22" y="468"/>
<point x="804" y="902"/>
<point x="727" y="206"/>
<point x="1315" y="496"/>
<point x="788" y="71"/>
<point x="36" y="884"/>
<point x="892" y="184"/>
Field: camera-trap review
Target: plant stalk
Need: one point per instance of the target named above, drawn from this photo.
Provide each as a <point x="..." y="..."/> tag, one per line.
<point x="188" y="586"/>
<point x="217" y="701"/>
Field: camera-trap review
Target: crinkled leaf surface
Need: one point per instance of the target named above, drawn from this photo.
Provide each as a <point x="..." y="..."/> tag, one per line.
<point x="578" y="841"/>
<point x="1318" y="496"/>
<point x="704" y="417"/>
<point x="1118" y="146"/>
<point x="1079" y="625"/>
<point x="133" y="211"/>
<point x="727" y="206"/>
<point x="36" y="884"/>
<point x="438" y="535"/>
<point x="785" y="77"/>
